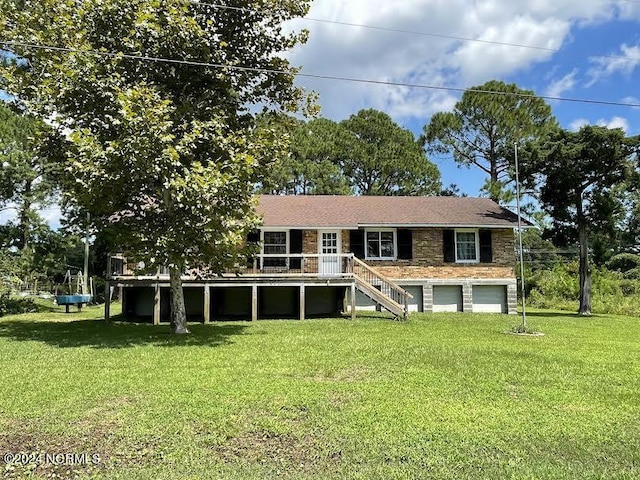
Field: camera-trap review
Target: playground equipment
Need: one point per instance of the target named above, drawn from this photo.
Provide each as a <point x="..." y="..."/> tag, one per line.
<point x="81" y="297"/>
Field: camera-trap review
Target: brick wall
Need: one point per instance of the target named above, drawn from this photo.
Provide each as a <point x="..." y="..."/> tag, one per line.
<point x="310" y="242"/>
<point x="401" y="271"/>
<point x="428" y="260"/>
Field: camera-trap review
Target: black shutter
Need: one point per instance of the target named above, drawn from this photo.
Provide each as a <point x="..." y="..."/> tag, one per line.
<point x="295" y="246"/>
<point x="449" y="245"/>
<point x="253" y="239"/>
<point x="405" y="244"/>
<point x="486" y="254"/>
<point x="356" y="240"/>
<point x="253" y="236"/>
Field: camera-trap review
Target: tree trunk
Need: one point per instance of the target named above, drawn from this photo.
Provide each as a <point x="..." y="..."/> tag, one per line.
<point x="178" y="311"/>
<point x="24" y="220"/>
<point x="585" y="270"/>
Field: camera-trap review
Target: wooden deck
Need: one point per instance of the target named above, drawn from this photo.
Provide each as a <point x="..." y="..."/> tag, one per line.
<point x="300" y="271"/>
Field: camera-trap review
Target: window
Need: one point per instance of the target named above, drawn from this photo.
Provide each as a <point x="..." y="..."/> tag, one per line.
<point x="381" y="244"/>
<point x="466" y="246"/>
<point x="274" y="243"/>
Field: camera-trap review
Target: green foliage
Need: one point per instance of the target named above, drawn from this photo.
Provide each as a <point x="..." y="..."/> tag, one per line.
<point x="9" y="271"/>
<point x="367" y="154"/>
<point x="576" y="173"/>
<point x="311" y="167"/>
<point x="10" y="305"/>
<point x="559" y="288"/>
<point x="623" y="262"/>
<point x="483" y="128"/>
<point x="520" y="328"/>
<point x="381" y="158"/>
<point x="633" y="274"/>
<point x="163" y="155"/>
<point x="29" y="174"/>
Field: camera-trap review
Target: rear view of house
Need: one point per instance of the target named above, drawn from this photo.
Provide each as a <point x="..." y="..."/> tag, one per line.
<point x="321" y="255"/>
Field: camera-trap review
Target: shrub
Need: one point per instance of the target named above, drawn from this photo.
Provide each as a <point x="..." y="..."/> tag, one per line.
<point x="624" y="262"/>
<point x="633" y="274"/>
<point x="11" y="305"/>
<point x="612" y="291"/>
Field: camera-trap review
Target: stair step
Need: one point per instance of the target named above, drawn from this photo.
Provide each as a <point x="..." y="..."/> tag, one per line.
<point x="379" y="297"/>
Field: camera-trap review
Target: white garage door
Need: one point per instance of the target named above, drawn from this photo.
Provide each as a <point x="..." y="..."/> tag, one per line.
<point x="415" y="303"/>
<point x="447" y="298"/>
<point x="490" y="298"/>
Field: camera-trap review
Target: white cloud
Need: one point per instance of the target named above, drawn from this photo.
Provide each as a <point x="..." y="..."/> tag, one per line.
<point x="623" y="62"/>
<point x="557" y="87"/>
<point x="613" y="122"/>
<point x="430" y="58"/>
<point x="578" y="123"/>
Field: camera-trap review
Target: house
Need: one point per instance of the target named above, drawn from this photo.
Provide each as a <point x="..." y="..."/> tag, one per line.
<point x="322" y="255"/>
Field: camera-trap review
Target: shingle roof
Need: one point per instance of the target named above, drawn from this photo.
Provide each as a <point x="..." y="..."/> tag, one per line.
<point x="325" y="211"/>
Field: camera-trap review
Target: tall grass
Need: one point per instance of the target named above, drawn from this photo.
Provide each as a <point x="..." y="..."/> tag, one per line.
<point x="558" y="288"/>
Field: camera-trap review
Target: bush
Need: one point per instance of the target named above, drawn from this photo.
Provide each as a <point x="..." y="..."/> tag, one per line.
<point x="633" y="274"/>
<point x="612" y="291"/>
<point x="11" y="305"/>
<point x="624" y="262"/>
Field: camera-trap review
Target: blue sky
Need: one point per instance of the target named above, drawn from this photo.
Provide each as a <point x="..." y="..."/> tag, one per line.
<point x="586" y="50"/>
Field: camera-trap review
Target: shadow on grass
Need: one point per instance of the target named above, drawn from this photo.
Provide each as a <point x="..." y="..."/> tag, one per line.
<point x="98" y="334"/>
<point x="551" y="314"/>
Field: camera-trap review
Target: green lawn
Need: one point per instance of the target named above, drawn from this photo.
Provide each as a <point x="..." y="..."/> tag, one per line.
<point x="439" y="396"/>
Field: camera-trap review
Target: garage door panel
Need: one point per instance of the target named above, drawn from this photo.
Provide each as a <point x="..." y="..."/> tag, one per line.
<point x="447" y="298"/>
<point x="489" y="298"/>
<point x="415" y="303"/>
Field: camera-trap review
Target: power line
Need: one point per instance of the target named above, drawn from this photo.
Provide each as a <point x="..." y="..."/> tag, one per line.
<point x="426" y="34"/>
<point x="311" y="75"/>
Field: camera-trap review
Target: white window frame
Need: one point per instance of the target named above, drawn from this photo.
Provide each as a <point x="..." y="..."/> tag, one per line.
<point x="287" y="247"/>
<point x="378" y="231"/>
<point x="476" y="233"/>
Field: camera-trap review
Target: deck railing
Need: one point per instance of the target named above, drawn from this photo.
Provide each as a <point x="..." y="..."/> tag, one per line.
<point x="335" y="265"/>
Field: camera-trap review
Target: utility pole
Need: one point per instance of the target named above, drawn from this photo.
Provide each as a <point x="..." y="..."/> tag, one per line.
<point x="85" y="286"/>
<point x="524" y="313"/>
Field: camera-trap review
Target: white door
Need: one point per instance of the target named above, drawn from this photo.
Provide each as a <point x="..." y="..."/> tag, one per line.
<point x="329" y="262"/>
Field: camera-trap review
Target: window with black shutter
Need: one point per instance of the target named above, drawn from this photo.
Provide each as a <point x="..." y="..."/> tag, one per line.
<point x="449" y="245"/>
<point x="405" y="244"/>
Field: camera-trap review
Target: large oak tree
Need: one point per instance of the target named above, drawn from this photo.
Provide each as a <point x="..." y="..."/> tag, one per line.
<point x="162" y="153"/>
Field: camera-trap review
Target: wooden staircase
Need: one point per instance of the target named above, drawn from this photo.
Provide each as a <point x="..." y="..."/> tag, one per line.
<point x="380" y="289"/>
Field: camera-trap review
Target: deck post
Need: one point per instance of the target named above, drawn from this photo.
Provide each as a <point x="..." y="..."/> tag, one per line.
<point x="302" y="307"/>
<point x="156" y="305"/>
<point x="254" y="302"/>
<point x="207" y="303"/>
<point x="107" y="302"/>
<point x="353" y="301"/>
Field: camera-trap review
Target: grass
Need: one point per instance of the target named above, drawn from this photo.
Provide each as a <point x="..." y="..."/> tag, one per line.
<point x="439" y="396"/>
